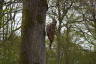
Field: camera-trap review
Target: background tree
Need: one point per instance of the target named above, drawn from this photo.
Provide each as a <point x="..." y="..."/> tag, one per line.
<point x="9" y="28"/>
<point x="72" y="28"/>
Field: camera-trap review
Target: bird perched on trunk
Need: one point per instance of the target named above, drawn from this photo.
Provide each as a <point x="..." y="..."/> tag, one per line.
<point x="51" y="31"/>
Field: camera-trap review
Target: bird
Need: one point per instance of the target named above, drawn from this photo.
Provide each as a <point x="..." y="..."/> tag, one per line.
<point x="51" y="31"/>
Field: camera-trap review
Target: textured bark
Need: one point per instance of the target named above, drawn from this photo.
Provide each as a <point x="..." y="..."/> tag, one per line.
<point x="33" y="32"/>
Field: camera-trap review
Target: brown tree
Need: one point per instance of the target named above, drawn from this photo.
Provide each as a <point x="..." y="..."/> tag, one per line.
<point x="33" y="32"/>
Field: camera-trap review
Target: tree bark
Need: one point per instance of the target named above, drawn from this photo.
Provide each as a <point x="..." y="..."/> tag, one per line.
<point x="33" y="32"/>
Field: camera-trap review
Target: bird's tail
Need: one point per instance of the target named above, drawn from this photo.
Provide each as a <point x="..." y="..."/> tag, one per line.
<point x="50" y="45"/>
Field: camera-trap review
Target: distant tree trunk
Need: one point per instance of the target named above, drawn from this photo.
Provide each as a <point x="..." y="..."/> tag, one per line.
<point x="1" y="8"/>
<point x="33" y="32"/>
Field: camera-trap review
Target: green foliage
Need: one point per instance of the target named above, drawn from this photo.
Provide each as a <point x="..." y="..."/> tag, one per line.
<point x="9" y="51"/>
<point x="51" y="56"/>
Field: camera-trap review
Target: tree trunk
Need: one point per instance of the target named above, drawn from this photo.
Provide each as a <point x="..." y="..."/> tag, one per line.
<point x="1" y="13"/>
<point x="33" y="32"/>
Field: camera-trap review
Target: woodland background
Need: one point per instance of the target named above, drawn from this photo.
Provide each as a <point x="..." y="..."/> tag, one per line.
<point x="75" y="39"/>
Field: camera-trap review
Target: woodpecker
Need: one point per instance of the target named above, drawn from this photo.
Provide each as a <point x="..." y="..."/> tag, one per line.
<point x="51" y="31"/>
